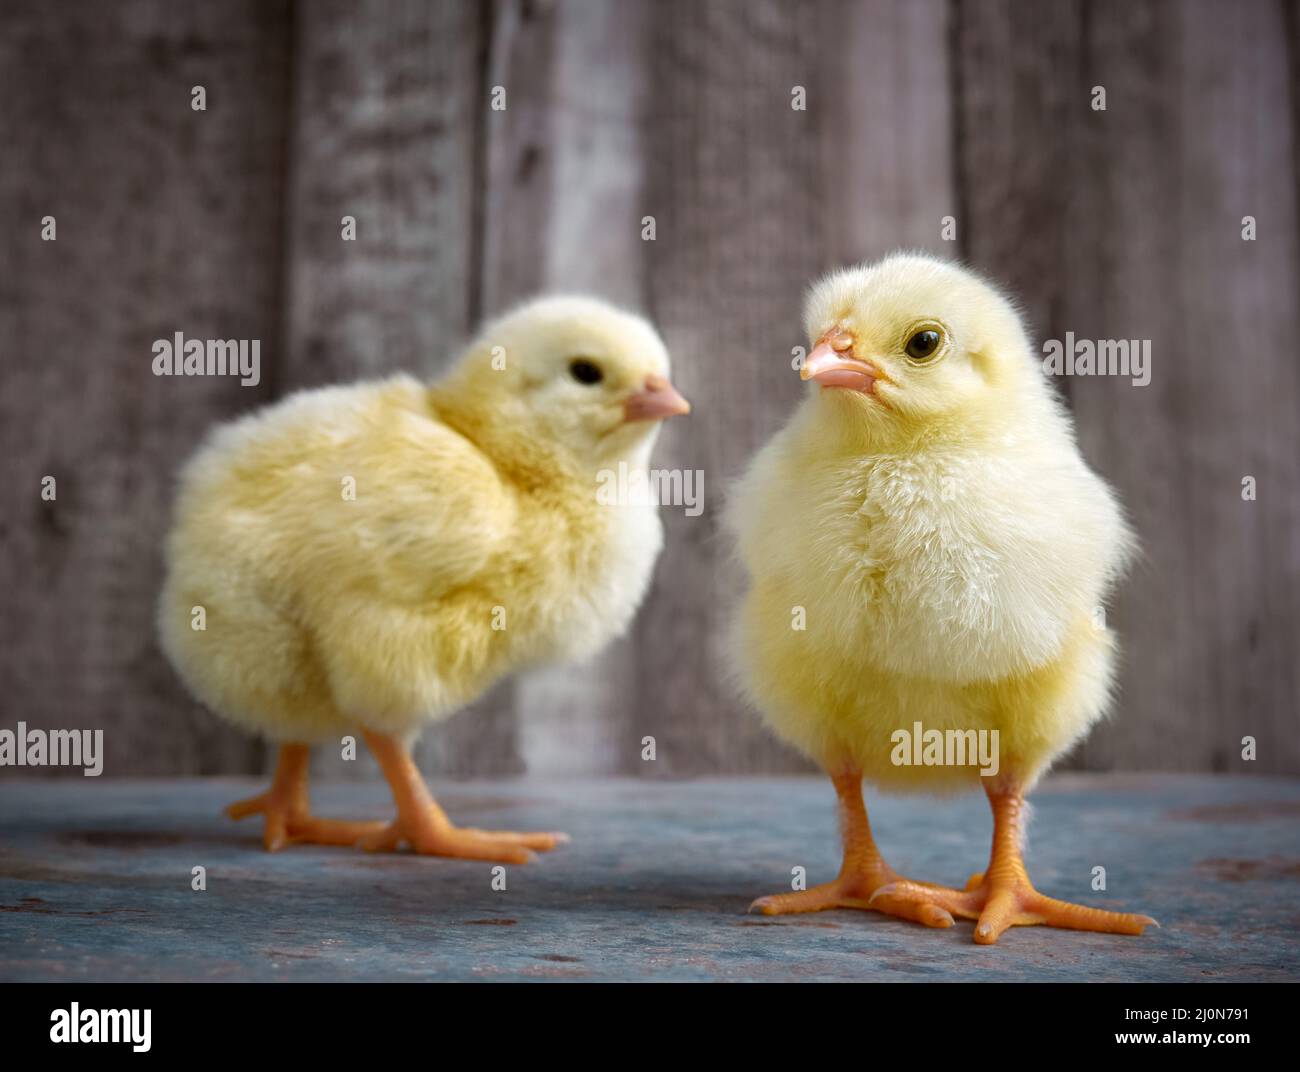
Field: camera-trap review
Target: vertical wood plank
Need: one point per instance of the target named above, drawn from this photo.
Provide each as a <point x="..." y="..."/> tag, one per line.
<point x="388" y="113"/>
<point x="1117" y="224"/>
<point x="168" y="220"/>
<point x="1020" y="99"/>
<point x="384" y="130"/>
<point x="1134" y="232"/>
<point x="886" y="165"/>
<point x="753" y="200"/>
<point x="517" y="181"/>
<point x="563" y="193"/>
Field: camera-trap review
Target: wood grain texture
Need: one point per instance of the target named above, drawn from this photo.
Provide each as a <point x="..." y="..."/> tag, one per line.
<point x="384" y="129"/>
<point x="168" y="220"/>
<point x="753" y="200"/>
<point x="387" y="120"/>
<point x="1117" y="224"/>
<point x="653" y="887"/>
<point x="563" y="194"/>
<point x="1126" y="224"/>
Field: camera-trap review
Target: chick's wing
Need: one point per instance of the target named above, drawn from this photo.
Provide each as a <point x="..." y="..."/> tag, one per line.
<point x="429" y="512"/>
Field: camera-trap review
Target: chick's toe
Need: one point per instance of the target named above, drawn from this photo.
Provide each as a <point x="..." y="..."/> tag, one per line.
<point x="425" y="827"/>
<point x="996" y="906"/>
<point x="848" y="892"/>
<point x="1002" y="896"/>
<point x="432" y="835"/>
<point x="863" y="872"/>
<point x="287" y="811"/>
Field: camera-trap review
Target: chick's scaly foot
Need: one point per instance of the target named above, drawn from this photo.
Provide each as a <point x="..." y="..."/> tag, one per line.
<point x="287" y="809"/>
<point x="289" y="822"/>
<point x="1002" y="896"/>
<point x="431" y="835"/>
<point x="424" y="826"/>
<point x="847" y="891"/>
<point x="998" y="904"/>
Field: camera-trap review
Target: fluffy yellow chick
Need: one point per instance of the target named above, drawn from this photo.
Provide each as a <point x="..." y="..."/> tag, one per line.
<point x="373" y="557"/>
<point x="928" y="553"/>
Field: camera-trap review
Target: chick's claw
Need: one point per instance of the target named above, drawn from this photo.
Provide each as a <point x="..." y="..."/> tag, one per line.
<point x="288" y="822"/>
<point x="429" y="837"/>
<point x="817" y="899"/>
<point x="845" y="893"/>
<point x="1000" y="905"/>
<point x="309" y="828"/>
<point x="275" y="833"/>
<point x="287" y="809"/>
<point x="917" y="902"/>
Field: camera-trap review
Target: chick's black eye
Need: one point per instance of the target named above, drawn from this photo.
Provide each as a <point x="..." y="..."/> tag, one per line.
<point x="585" y="371"/>
<point x="923" y="345"/>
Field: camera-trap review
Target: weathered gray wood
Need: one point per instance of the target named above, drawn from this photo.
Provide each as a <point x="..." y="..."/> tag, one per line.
<point x="168" y="220"/>
<point x="1127" y="224"/>
<point x="226" y="223"/>
<point x="387" y="119"/>
<point x="1022" y="107"/>
<point x="95" y="885"/>
<point x="385" y="126"/>
<point x="886" y="165"/>
<point x="563" y="196"/>
<point x="517" y="177"/>
<point x="753" y="200"/>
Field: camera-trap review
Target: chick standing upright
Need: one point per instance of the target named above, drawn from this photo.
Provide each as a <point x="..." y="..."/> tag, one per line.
<point x="373" y="557"/>
<point x="927" y="522"/>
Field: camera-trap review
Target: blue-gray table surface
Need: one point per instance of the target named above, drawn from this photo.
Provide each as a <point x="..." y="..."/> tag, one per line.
<point x="95" y="884"/>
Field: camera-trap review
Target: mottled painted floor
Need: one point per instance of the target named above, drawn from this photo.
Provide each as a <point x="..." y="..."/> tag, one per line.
<point x="95" y="885"/>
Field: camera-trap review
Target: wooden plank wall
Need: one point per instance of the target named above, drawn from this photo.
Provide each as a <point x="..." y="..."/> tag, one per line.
<point x="1126" y="224"/>
<point x="167" y="220"/>
<point x="1117" y="224"/>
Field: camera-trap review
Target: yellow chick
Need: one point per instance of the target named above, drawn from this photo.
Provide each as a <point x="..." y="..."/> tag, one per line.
<point x="373" y="557"/>
<point x="928" y="554"/>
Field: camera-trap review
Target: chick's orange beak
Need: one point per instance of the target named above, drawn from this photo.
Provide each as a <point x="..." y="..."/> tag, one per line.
<point x="655" y="401"/>
<point x="831" y="365"/>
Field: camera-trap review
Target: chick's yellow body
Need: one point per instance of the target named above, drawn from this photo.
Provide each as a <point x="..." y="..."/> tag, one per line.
<point x="952" y="581"/>
<point x="358" y="559"/>
<point x="929" y="559"/>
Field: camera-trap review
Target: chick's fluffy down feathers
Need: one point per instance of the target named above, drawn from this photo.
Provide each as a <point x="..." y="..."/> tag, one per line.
<point x="949" y="563"/>
<point x="443" y="573"/>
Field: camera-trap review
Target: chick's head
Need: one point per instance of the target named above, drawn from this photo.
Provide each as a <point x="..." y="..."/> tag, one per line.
<point x="912" y="343"/>
<point x="567" y="374"/>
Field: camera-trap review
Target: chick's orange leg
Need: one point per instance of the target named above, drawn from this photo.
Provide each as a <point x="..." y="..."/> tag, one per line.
<point x="287" y="811"/>
<point x="1002" y="896"/>
<point x="862" y="873"/>
<point x="425" y="826"/>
